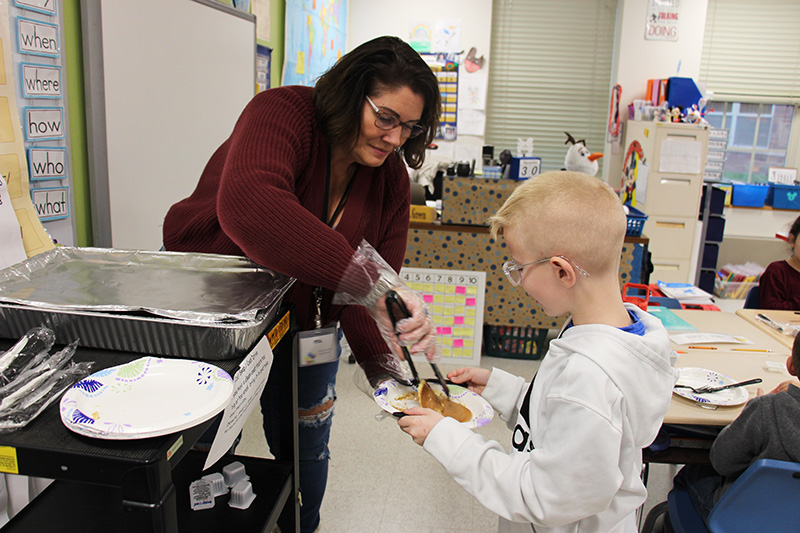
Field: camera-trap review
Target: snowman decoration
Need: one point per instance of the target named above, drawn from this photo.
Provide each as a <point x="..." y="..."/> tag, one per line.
<point x="579" y="159"/>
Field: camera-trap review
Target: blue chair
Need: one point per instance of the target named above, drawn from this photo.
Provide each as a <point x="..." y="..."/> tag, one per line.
<point x="752" y="301"/>
<point x="763" y="498"/>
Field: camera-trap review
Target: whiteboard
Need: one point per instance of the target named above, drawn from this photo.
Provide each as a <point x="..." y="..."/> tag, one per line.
<point x="165" y="82"/>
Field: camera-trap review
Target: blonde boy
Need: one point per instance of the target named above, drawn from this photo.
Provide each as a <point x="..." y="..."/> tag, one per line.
<point x="601" y="391"/>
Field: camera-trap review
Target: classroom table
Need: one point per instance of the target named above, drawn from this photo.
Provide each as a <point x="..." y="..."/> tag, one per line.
<point x="728" y="360"/>
<point x="787" y="317"/>
<point x="689" y="427"/>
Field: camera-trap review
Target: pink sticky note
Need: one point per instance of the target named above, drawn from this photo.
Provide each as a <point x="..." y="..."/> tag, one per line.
<point x="460" y="289"/>
<point x="446" y="331"/>
<point x="458" y="343"/>
<point x="439" y="331"/>
<point x="458" y="320"/>
<point x="428" y="298"/>
<point x="471" y="302"/>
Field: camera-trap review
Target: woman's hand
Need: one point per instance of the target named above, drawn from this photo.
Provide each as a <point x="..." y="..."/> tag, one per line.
<point x="419" y="422"/>
<point x="416" y="332"/>
<point x="475" y="379"/>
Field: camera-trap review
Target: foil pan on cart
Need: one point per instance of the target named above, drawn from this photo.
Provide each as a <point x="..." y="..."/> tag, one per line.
<point x="201" y="306"/>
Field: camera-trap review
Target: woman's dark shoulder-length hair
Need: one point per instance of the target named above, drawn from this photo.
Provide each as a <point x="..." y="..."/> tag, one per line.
<point x="380" y="64"/>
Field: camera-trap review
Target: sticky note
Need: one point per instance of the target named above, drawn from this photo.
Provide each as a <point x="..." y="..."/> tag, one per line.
<point x="461" y="289"/>
<point x="438" y="298"/>
<point x="472" y="302"/>
<point x="472" y="290"/>
<point x="471" y="311"/>
<point x="427" y="287"/>
<point x="458" y="343"/>
<point x="448" y="320"/>
<point x="437" y="309"/>
<point x="440" y="288"/>
<point x="458" y="320"/>
<point x="446" y="341"/>
<point x="459" y="310"/>
<point x="461" y="300"/>
<point x="469" y="320"/>
<point x="446" y="352"/>
<point x="469" y="343"/>
<point x="428" y="298"/>
<point x="449" y="299"/>
<point x="446" y="331"/>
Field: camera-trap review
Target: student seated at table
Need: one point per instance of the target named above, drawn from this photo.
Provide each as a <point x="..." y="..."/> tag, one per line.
<point x="767" y="428"/>
<point x="779" y="285"/>
<point x="601" y="392"/>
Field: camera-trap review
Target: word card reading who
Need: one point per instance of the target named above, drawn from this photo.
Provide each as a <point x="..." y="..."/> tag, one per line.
<point x="47" y="163"/>
<point x="455" y="300"/>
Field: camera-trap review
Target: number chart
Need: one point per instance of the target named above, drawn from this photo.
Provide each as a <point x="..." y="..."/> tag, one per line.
<point x="455" y="299"/>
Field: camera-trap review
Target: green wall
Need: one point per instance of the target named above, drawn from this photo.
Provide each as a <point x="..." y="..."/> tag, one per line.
<point x="76" y="107"/>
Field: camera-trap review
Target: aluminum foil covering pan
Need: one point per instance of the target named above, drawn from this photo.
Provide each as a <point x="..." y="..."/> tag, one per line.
<point x="202" y="306"/>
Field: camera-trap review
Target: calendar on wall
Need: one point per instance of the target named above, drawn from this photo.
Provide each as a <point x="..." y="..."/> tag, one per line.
<point x="455" y="299"/>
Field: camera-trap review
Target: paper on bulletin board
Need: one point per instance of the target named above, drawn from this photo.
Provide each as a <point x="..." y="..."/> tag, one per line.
<point x="681" y="156"/>
<point x="248" y="384"/>
<point x="13" y="164"/>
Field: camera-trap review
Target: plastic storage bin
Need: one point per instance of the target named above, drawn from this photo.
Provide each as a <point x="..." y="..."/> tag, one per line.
<point x="784" y="196"/>
<point x="734" y="290"/>
<point x="749" y="195"/>
<point x="636" y="220"/>
<point x="514" y="342"/>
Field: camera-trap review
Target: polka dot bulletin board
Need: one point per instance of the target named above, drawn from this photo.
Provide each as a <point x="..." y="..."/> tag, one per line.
<point x="455" y="301"/>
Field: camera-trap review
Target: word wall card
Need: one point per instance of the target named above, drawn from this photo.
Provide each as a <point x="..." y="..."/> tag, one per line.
<point x="455" y="299"/>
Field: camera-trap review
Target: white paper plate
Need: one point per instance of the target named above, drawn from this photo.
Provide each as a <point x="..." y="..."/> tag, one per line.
<point x="394" y="397"/>
<point x="147" y="397"/>
<point x="697" y="377"/>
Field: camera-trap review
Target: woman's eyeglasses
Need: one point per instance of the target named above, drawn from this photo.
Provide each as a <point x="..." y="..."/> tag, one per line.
<point x="387" y="121"/>
<point x="513" y="271"/>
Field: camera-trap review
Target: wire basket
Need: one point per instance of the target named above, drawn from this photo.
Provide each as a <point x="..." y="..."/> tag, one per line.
<point x="636" y="220"/>
<point x="514" y="342"/>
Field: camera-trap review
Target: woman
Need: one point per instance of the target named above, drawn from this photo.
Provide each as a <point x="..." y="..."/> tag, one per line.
<point x="779" y="285"/>
<point x="305" y="177"/>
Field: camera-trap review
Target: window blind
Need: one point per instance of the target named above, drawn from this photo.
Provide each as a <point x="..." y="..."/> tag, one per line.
<point x="550" y="73"/>
<point x="751" y="51"/>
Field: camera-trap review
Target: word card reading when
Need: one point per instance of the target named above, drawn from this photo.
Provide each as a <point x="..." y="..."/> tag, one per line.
<point x="455" y="300"/>
<point x="37" y="38"/>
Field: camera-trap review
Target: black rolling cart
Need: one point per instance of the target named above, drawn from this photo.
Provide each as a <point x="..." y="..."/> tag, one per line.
<point x="143" y="485"/>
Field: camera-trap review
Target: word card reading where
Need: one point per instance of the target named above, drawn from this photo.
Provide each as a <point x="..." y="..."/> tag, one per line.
<point x="455" y="300"/>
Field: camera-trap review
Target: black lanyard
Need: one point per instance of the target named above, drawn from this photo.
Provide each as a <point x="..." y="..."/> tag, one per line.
<point x="330" y="223"/>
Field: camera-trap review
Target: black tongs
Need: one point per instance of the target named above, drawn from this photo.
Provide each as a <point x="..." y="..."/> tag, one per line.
<point x="397" y="310"/>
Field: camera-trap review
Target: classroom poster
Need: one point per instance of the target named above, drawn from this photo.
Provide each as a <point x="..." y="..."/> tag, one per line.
<point x="316" y="32"/>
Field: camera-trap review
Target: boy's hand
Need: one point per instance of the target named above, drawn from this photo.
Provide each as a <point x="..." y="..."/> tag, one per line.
<point x="419" y="422"/>
<point x="781" y="387"/>
<point x="475" y="379"/>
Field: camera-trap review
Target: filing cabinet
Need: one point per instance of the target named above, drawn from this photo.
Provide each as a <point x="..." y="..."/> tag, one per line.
<point x="672" y="157"/>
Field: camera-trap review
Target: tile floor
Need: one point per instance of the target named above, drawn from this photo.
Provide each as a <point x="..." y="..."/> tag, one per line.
<point x="381" y="482"/>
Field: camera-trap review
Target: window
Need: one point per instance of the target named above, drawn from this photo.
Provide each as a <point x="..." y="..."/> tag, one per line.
<point x="751" y="64"/>
<point x="758" y="138"/>
<point x="550" y="73"/>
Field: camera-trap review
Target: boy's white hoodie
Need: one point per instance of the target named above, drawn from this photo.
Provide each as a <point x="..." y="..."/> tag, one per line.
<point x="574" y="463"/>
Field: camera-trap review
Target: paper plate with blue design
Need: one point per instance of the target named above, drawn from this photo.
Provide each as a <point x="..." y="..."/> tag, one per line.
<point x="697" y="377"/>
<point x="394" y="397"/>
<point x="148" y="397"/>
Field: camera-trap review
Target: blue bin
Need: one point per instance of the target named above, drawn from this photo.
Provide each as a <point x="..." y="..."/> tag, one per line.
<point x="749" y="195"/>
<point x="784" y="196"/>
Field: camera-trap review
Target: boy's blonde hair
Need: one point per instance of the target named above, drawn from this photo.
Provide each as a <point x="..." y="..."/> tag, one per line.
<point x="566" y="213"/>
